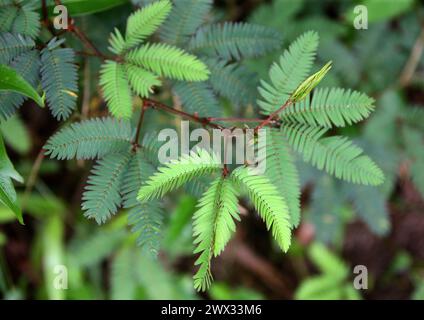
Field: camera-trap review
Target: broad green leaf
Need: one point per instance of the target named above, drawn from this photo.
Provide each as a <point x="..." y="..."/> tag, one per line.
<point x="7" y="191"/>
<point x="16" y="135"/>
<point x="8" y="197"/>
<point x="10" y="80"/>
<point x="6" y="167"/>
<point x="85" y="7"/>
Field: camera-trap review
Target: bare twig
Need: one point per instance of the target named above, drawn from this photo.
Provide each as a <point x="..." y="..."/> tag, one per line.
<point x="271" y="277"/>
<point x="273" y="115"/>
<point x="412" y="63"/>
<point x="139" y="124"/>
<point x="32" y="179"/>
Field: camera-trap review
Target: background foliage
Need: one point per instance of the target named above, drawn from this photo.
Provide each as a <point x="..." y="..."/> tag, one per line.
<point x="381" y="228"/>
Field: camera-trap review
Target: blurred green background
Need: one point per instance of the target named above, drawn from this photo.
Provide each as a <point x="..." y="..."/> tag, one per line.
<point x="343" y="225"/>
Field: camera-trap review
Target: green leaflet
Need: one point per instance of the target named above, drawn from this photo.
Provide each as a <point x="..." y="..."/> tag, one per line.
<point x="116" y="90"/>
<point x="213" y="225"/>
<point x="330" y="107"/>
<point x="288" y="73"/>
<point x="146" y="219"/>
<point x="12" y="45"/>
<point x="370" y="205"/>
<point x="326" y="208"/>
<point x="269" y="203"/>
<point x="20" y="19"/>
<point x="168" y="61"/>
<point x="141" y="81"/>
<point x="232" y="81"/>
<point x="336" y="155"/>
<point x="102" y="197"/>
<point x="59" y="79"/>
<point x="178" y="172"/>
<point x="185" y="18"/>
<point x="145" y="21"/>
<point x="234" y="40"/>
<point x="281" y="170"/>
<point x="198" y="97"/>
<point x="90" y="139"/>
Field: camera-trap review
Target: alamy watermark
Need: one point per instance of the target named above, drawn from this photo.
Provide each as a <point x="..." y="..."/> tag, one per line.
<point x="360" y="282"/>
<point x="361" y="17"/>
<point x="231" y="146"/>
<point x="61" y="18"/>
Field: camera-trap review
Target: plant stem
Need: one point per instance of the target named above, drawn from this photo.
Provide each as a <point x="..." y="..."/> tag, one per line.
<point x="139" y="124"/>
<point x="45" y="13"/>
<point x="236" y="119"/>
<point x="414" y="59"/>
<point x="273" y="115"/>
<point x="203" y="121"/>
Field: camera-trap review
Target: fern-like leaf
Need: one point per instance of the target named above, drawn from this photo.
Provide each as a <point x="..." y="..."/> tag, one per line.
<point x="287" y="75"/>
<point x="281" y="170"/>
<point x="186" y="16"/>
<point x="168" y="61"/>
<point x="141" y="81"/>
<point x="20" y="19"/>
<point x="198" y="97"/>
<point x="269" y="203"/>
<point x="145" y="21"/>
<point x="370" y="205"/>
<point x="102" y="196"/>
<point x="117" y="42"/>
<point x="59" y="78"/>
<point x="116" y="89"/>
<point x="213" y="225"/>
<point x="235" y="40"/>
<point x="90" y="139"/>
<point x="145" y="218"/>
<point x="12" y="45"/>
<point x="232" y="81"/>
<point x="336" y="155"/>
<point x="330" y="107"/>
<point x="178" y="172"/>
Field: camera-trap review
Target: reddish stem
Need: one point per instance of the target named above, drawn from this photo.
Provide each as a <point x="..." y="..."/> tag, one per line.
<point x="273" y="115"/>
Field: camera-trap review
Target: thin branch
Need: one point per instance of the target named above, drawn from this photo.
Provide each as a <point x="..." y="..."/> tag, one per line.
<point x="203" y="121"/>
<point x="84" y="39"/>
<point x="236" y="119"/>
<point x="273" y="115"/>
<point x="45" y="13"/>
<point x="32" y="179"/>
<point x="139" y="124"/>
<point x="412" y="63"/>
